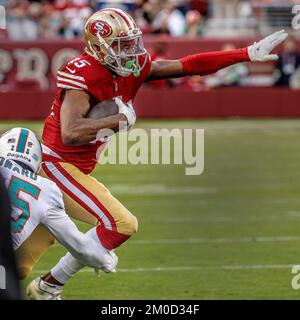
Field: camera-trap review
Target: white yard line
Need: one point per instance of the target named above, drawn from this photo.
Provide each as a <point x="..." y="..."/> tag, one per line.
<point x="294" y="214"/>
<point x="190" y="268"/>
<point x="212" y="219"/>
<point x="215" y="240"/>
<point x="258" y="239"/>
<point x="159" y="189"/>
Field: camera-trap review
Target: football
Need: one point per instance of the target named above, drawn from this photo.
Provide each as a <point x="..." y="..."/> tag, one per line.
<point x="103" y="109"/>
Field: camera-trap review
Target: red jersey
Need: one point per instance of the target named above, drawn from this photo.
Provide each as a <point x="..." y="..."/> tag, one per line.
<point x="86" y="73"/>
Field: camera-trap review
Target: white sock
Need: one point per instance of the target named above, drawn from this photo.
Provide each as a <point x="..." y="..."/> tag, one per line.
<point x="66" y="267"/>
<point x="46" y="285"/>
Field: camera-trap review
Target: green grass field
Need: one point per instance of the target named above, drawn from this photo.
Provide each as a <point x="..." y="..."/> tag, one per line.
<point x="231" y="233"/>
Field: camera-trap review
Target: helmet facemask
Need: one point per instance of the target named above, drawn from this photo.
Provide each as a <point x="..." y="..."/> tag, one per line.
<point x="122" y="54"/>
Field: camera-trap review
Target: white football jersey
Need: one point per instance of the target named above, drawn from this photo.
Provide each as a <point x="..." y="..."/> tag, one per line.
<point x="32" y="198"/>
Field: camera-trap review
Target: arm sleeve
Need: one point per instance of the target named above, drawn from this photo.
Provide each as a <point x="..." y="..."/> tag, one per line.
<point x="54" y="195"/>
<point x="85" y="247"/>
<point x="64" y="230"/>
<point x="210" y="62"/>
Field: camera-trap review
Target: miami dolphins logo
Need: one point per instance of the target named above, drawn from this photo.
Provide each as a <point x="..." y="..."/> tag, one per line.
<point x="101" y="27"/>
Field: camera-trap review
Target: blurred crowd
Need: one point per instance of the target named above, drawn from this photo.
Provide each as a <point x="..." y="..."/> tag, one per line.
<point x="64" y="19"/>
<point x="48" y="19"/>
<point x="32" y="19"/>
<point x="285" y="72"/>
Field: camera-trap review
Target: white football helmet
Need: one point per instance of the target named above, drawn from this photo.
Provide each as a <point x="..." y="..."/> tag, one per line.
<point x="22" y="145"/>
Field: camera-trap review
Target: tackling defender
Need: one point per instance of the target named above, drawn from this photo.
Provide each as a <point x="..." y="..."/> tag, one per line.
<point x="36" y="200"/>
<point x="114" y="64"/>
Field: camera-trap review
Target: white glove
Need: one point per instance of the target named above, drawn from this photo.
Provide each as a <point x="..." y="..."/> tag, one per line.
<point x="260" y="51"/>
<point x="127" y="110"/>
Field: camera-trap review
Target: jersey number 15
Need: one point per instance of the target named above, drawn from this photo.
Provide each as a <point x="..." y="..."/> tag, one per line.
<point x="15" y="188"/>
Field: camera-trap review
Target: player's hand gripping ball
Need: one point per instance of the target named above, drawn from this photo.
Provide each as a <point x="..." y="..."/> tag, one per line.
<point x="108" y="108"/>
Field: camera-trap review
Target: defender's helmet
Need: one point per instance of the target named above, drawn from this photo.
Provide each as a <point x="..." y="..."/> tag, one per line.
<point x="113" y="38"/>
<point x="22" y="145"/>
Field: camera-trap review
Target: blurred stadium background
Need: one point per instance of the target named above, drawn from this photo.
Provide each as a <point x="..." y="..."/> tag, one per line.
<point x="231" y="233"/>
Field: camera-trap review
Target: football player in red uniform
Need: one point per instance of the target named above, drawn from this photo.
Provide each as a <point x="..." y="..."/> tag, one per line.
<point x="114" y="64"/>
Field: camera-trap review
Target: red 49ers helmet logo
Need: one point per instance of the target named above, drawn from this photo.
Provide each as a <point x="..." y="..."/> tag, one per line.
<point x="101" y="27"/>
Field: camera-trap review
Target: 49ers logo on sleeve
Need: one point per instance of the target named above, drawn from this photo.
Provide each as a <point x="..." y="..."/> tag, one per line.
<point x="102" y="27"/>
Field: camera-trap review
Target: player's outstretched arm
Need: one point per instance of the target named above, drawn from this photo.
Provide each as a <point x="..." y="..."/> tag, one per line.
<point x="85" y="247"/>
<point x="210" y="62"/>
<point x="75" y="128"/>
